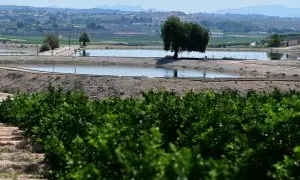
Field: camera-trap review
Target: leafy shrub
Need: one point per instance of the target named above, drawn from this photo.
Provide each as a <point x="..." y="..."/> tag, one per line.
<point x="289" y="167"/>
<point x="52" y="40"/>
<point x="227" y="58"/>
<point x="162" y="135"/>
<point x="45" y="47"/>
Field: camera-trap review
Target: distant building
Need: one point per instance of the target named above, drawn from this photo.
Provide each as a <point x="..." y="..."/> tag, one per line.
<point x="294" y="42"/>
<point x="289" y="43"/>
<point x="213" y="34"/>
<point x="253" y="44"/>
<point x="285" y="43"/>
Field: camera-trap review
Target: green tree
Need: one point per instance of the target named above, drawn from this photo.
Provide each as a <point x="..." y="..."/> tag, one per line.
<point x="275" y="56"/>
<point x="84" y="38"/>
<point x="45" y="47"/>
<point x="55" y="25"/>
<point x="52" y="40"/>
<point x="172" y="34"/>
<point x="178" y="36"/>
<point x="274" y="41"/>
<point x="20" y="25"/>
<point x="196" y="38"/>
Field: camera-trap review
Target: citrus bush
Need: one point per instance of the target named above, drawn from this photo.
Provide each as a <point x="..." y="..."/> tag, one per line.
<point x="163" y="135"/>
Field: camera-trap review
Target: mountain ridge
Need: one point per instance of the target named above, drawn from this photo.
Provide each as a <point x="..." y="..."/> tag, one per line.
<point x="268" y="10"/>
<point x="121" y="7"/>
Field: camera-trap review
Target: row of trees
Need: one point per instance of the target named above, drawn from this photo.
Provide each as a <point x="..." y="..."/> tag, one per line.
<point x="51" y="42"/>
<point x="182" y="36"/>
<point x="177" y="36"/>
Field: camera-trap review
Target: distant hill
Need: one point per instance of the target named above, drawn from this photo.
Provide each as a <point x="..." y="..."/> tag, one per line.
<point x="271" y="10"/>
<point x="121" y="8"/>
<point x="11" y="7"/>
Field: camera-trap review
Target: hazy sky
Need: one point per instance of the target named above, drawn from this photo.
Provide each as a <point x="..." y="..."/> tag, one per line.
<point x="182" y="5"/>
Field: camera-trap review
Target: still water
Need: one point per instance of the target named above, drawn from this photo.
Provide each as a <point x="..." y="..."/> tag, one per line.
<point x="130" y="71"/>
<point x="208" y="54"/>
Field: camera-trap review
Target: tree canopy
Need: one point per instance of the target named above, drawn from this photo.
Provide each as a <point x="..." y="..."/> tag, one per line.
<point x="178" y="36"/>
<point x="84" y="38"/>
<point x="274" y="41"/>
<point x="52" y="40"/>
<point x="45" y="47"/>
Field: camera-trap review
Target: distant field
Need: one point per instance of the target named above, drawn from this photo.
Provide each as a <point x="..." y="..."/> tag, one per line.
<point x="235" y="39"/>
<point x="130" y="40"/>
<point x="133" y="40"/>
<point x="32" y="40"/>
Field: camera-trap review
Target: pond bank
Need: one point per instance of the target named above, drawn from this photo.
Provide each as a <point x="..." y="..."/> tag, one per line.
<point x="260" y="76"/>
<point x="14" y="81"/>
<point x="252" y="69"/>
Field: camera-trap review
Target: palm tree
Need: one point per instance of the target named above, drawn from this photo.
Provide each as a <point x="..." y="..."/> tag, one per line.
<point x="84" y="38"/>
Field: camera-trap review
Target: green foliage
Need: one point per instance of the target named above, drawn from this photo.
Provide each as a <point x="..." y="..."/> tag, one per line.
<point x="289" y="36"/>
<point x="95" y="26"/>
<point x="275" y="56"/>
<point x="196" y="38"/>
<point x="274" y="41"/>
<point x="45" y="47"/>
<point x="162" y="135"/>
<point x="289" y="167"/>
<point x="233" y="26"/>
<point x="20" y="25"/>
<point x="84" y="38"/>
<point x="178" y="36"/>
<point x="52" y="40"/>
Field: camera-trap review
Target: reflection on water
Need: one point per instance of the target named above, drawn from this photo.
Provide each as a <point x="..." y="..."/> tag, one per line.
<point x="161" y="53"/>
<point x="84" y="53"/>
<point x="281" y="56"/>
<point x="276" y="56"/>
<point x="130" y="71"/>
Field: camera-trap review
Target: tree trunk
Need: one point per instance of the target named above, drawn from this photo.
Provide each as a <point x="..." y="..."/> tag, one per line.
<point x="175" y="55"/>
<point x="175" y="73"/>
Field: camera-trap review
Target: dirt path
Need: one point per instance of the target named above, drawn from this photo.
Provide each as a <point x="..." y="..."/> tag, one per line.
<point x="17" y="159"/>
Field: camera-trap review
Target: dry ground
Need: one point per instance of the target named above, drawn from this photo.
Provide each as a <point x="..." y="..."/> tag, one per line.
<point x="104" y="86"/>
<point x="18" y="159"/>
<point x="257" y="75"/>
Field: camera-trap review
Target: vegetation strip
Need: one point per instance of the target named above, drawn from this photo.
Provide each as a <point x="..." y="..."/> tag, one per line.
<point x="163" y="135"/>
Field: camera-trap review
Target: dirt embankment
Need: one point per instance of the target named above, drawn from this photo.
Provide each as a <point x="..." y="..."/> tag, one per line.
<point x="257" y="75"/>
<point x="102" y="87"/>
<point x="18" y="156"/>
<point x="248" y="68"/>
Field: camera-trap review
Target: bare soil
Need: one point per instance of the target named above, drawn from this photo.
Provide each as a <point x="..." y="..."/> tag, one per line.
<point x="18" y="159"/>
<point x="257" y="75"/>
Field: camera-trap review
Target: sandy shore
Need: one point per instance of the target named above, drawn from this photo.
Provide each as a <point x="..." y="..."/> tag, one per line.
<point x="258" y="76"/>
<point x="64" y="50"/>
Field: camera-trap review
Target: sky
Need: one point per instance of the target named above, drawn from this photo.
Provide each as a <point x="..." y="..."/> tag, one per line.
<point x="181" y="5"/>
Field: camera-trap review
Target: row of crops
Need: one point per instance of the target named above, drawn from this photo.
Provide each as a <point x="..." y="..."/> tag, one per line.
<point x="163" y="135"/>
